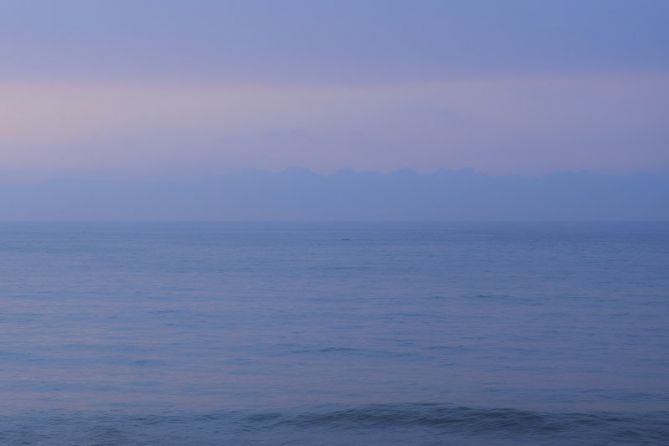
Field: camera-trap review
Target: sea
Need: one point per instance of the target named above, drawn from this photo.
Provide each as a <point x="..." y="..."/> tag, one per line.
<point x="367" y="333"/>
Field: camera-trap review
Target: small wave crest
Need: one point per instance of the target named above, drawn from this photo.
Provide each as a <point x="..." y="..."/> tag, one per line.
<point x="472" y="420"/>
<point x="351" y="425"/>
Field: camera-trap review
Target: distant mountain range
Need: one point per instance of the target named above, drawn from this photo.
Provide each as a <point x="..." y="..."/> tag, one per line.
<point x="300" y="194"/>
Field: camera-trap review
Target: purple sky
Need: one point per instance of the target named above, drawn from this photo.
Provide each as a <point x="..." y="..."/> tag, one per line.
<point x="139" y="87"/>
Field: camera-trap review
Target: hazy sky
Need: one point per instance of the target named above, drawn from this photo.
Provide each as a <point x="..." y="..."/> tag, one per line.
<point x="200" y="86"/>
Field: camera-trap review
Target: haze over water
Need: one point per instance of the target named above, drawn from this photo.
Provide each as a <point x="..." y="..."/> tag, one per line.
<point x="334" y="222"/>
<point x="349" y="333"/>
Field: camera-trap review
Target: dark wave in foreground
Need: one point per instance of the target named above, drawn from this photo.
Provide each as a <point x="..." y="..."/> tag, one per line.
<point x="418" y="424"/>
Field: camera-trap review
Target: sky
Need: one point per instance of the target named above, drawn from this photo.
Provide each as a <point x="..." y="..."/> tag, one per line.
<point x="150" y="88"/>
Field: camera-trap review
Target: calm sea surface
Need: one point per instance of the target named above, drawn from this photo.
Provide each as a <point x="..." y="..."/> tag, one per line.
<point x="334" y="334"/>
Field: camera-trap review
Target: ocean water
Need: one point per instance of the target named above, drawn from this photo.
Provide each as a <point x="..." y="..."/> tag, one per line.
<point x="334" y="333"/>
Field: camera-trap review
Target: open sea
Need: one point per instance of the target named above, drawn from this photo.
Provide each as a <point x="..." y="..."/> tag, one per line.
<point x="334" y="334"/>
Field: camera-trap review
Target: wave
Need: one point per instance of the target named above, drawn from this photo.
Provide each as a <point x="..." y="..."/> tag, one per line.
<point x="369" y="425"/>
<point x="472" y="421"/>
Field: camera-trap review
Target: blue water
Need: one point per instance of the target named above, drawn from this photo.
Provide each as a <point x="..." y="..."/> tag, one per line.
<point x="334" y="334"/>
